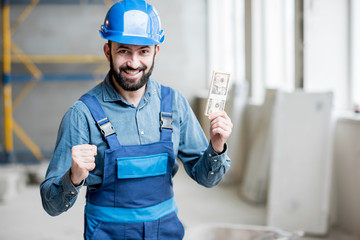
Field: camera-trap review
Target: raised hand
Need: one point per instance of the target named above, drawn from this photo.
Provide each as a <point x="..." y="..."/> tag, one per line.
<point x="220" y="130"/>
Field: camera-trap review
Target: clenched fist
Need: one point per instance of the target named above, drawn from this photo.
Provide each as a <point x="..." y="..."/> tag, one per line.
<point x="83" y="161"/>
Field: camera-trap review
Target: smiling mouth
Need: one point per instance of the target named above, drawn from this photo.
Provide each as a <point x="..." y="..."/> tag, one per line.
<point x="132" y="72"/>
<point x="129" y="72"/>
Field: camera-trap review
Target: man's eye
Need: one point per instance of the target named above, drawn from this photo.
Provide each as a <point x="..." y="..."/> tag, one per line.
<point x="123" y="51"/>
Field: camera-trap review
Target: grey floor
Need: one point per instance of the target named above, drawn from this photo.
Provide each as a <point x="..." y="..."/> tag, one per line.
<point x="23" y="216"/>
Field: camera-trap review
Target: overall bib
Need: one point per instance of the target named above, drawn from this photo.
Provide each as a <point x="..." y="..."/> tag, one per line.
<point x="136" y="199"/>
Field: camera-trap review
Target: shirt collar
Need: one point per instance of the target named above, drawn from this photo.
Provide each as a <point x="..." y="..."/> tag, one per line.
<point x="111" y="95"/>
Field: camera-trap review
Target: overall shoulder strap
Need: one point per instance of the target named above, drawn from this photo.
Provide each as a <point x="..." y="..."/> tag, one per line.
<point x="101" y="120"/>
<point x="166" y="113"/>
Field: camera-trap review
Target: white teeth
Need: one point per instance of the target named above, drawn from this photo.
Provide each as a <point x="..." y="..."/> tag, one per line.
<point x="131" y="72"/>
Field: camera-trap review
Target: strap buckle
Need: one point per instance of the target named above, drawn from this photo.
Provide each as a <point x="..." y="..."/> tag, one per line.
<point x="166" y="120"/>
<point x="106" y="127"/>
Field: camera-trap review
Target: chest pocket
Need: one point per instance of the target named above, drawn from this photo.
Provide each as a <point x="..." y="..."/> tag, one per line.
<point x="140" y="167"/>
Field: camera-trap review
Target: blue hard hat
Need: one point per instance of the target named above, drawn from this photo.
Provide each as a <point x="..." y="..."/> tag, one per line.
<point x="133" y="22"/>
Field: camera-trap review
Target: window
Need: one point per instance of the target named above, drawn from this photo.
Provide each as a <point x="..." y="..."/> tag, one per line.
<point x="226" y="38"/>
<point x="330" y="45"/>
<point x="355" y="51"/>
<point x="273" y="55"/>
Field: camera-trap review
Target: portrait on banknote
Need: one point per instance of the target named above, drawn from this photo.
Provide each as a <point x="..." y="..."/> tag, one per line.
<point x="220" y="84"/>
<point x="217" y="92"/>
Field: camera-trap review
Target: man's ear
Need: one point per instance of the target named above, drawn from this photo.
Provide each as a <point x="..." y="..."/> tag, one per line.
<point x="157" y="49"/>
<point x="107" y="51"/>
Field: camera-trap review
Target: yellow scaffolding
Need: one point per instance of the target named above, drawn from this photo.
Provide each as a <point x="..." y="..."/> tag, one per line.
<point x="8" y="119"/>
<point x="13" y="53"/>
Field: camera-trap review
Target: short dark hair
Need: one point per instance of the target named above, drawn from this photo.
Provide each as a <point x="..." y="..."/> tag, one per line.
<point x="109" y="43"/>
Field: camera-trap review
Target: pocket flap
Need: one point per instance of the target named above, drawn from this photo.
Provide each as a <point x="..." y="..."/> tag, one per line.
<point x="139" y="167"/>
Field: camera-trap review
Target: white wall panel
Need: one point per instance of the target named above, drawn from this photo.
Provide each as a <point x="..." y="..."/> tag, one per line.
<point x="300" y="175"/>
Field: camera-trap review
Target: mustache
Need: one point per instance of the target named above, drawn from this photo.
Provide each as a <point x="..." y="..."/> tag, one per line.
<point x="127" y="68"/>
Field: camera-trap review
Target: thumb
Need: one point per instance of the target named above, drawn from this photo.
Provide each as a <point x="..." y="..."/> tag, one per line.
<point x="94" y="149"/>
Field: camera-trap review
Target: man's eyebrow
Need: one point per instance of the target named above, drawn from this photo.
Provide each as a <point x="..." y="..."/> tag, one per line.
<point x="123" y="46"/>
<point x="126" y="47"/>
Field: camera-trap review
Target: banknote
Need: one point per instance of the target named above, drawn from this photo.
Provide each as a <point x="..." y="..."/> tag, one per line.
<point x="214" y="105"/>
<point x="218" y="92"/>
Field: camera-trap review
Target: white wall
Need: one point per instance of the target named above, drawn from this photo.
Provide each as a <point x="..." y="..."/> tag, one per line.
<point x="326" y="48"/>
<point x="346" y="175"/>
<point x="182" y="59"/>
<point x="327" y="64"/>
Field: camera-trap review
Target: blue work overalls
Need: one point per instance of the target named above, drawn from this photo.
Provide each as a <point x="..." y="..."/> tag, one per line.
<point x="136" y="199"/>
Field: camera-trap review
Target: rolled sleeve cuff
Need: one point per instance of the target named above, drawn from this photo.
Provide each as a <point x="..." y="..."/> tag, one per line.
<point x="69" y="190"/>
<point x="216" y="160"/>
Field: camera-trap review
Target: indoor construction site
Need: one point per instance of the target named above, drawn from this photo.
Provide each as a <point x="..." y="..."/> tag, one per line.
<point x="293" y="98"/>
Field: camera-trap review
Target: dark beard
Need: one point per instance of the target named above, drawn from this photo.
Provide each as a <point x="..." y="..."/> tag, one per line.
<point x="124" y="84"/>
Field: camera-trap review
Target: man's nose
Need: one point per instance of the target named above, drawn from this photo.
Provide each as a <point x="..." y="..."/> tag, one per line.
<point x="133" y="62"/>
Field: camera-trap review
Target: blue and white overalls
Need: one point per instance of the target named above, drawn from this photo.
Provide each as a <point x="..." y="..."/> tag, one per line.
<point x="136" y="199"/>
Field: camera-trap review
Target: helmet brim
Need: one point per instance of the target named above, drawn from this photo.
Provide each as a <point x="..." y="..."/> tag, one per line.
<point x="132" y="39"/>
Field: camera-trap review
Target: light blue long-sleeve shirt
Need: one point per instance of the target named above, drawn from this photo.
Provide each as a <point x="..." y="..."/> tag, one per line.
<point x="134" y="126"/>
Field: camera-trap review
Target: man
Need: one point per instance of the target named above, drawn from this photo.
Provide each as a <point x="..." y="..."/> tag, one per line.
<point x="123" y="137"/>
